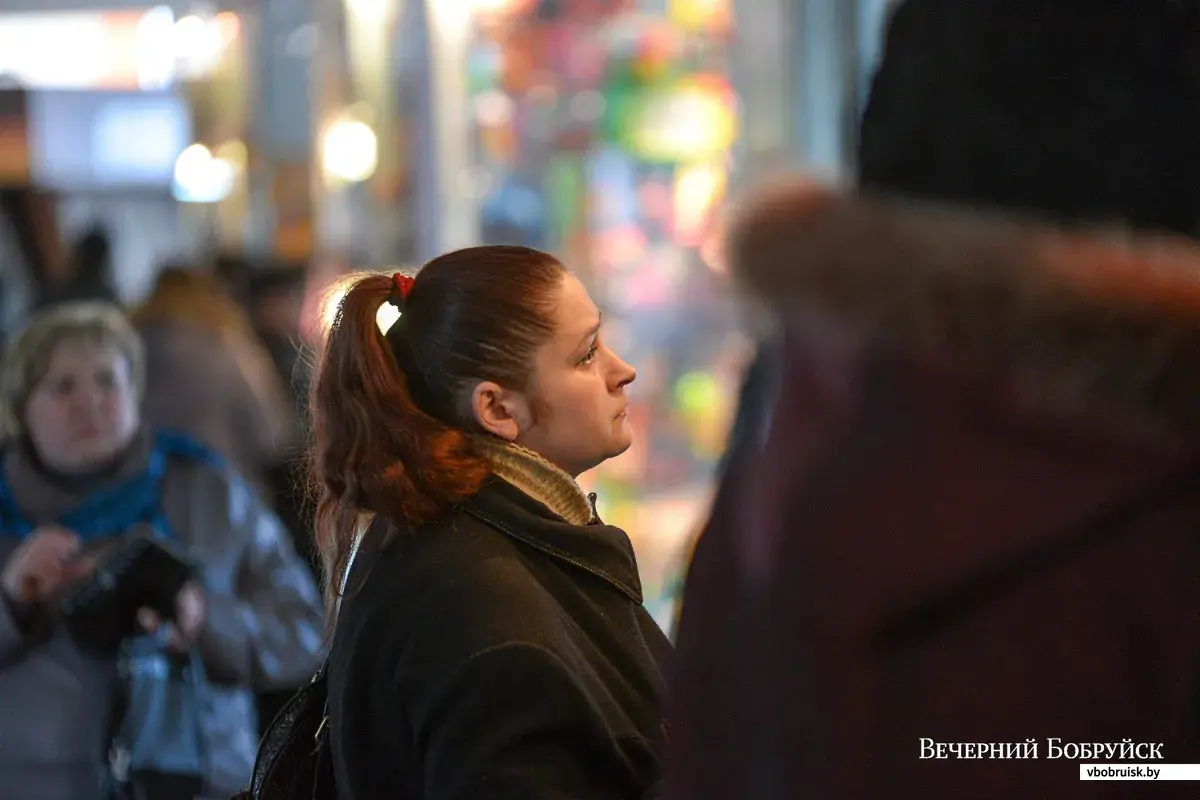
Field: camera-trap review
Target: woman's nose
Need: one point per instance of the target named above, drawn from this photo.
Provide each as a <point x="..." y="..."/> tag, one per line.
<point x="89" y="398"/>
<point x="626" y="374"/>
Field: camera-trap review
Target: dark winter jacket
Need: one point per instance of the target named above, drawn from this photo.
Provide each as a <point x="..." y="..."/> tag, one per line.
<point x="501" y="654"/>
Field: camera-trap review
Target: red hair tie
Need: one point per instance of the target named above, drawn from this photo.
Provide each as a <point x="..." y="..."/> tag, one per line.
<point x="401" y="287"/>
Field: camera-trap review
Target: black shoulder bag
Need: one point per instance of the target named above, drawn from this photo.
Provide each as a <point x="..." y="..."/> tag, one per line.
<point x="293" y="760"/>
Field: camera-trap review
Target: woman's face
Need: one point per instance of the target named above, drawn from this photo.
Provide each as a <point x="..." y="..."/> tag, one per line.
<point x="84" y="411"/>
<point x="579" y="386"/>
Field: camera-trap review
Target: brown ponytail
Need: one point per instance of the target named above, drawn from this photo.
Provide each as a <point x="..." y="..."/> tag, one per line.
<point x="472" y="315"/>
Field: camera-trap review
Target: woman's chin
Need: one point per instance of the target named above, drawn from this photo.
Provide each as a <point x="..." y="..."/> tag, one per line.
<point x="621" y="442"/>
<point x="95" y="454"/>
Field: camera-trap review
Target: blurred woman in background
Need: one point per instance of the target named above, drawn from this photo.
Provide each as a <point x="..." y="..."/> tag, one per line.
<point x="492" y="641"/>
<point x="208" y="374"/>
<point x="79" y="469"/>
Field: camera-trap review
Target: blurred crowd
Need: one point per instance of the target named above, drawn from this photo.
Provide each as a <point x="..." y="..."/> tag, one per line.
<point x="182" y="417"/>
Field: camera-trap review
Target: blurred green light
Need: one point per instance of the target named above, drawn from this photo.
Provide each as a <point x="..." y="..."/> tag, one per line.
<point x="696" y="393"/>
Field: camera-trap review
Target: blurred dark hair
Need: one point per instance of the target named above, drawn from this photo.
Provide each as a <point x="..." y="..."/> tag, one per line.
<point x="91" y="275"/>
<point x="390" y="412"/>
<point x="234" y="271"/>
<point x="276" y="276"/>
<point x="1075" y="109"/>
<point x="93" y="254"/>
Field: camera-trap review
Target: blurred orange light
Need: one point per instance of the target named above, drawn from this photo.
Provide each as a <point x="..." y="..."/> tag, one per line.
<point x="229" y="26"/>
<point x="489" y="10"/>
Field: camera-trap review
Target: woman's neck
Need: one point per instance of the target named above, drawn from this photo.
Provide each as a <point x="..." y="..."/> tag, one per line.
<point x="538" y="478"/>
<point x="76" y="479"/>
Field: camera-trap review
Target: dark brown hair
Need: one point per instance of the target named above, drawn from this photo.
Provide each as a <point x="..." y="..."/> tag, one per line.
<point x="391" y="413"/>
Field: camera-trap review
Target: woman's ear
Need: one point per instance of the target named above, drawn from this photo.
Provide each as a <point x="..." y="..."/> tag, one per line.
<point x="499" y="411"/>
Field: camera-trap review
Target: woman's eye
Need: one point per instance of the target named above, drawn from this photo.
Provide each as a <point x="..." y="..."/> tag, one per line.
<point x="591" y="355"/>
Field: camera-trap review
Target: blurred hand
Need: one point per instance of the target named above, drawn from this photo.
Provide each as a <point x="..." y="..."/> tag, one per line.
<point x="189" y="617"/>
<point x="190" y="612"/>
<point x="43" y="565"/>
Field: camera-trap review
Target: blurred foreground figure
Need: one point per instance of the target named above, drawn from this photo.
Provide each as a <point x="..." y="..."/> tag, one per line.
<point x="974" y="516"/>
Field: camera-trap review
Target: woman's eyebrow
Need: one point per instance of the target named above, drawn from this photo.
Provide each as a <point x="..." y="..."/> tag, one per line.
<point x="593" y="330"/>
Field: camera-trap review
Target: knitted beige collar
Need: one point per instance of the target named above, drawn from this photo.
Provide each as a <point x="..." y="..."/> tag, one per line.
<point x="538" y="478"/>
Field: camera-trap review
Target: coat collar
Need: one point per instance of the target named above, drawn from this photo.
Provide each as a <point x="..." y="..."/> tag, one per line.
<point x="538" y="478"/>
<point x="601" y="550"/>
<point x="1101" y="321"/>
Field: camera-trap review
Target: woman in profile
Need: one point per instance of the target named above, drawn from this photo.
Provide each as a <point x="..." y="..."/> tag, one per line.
<point x="490" y="638"/>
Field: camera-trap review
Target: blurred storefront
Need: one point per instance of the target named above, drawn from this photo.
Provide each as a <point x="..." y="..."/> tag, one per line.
<point x="132" y="124"/>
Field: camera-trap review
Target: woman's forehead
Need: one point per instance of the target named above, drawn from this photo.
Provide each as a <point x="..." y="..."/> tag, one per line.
<point x="576" y="311"/>
<point x="80" y="350"/>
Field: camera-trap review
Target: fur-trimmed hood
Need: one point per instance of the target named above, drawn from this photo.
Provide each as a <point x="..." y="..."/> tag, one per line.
<point x="1104" y="321"/>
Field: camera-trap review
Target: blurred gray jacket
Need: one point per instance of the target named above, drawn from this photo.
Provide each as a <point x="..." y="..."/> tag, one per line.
<point x="264" y="630"/>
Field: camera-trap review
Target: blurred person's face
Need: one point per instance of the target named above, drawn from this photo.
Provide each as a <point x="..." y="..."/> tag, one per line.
<point x="84" y="410"/>
<point x="575" y="414"/>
